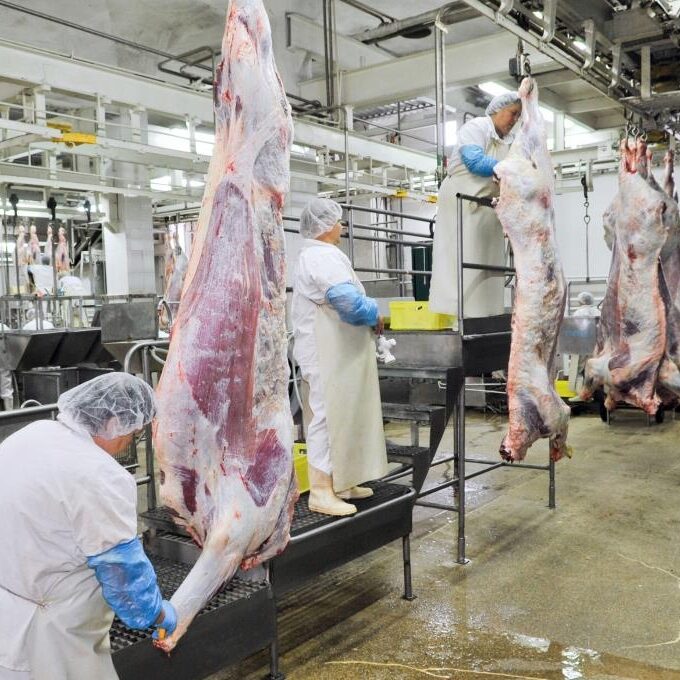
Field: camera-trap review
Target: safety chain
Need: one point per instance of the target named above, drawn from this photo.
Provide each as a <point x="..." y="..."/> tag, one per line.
<point x="586" y="203"/>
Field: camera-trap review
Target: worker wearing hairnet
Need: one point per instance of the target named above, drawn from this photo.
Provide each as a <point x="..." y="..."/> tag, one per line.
<point x="482" y="142"/>
<point x="69" y="552"/>
<point x="332" y="319"/>
<point x="586" y="306"/>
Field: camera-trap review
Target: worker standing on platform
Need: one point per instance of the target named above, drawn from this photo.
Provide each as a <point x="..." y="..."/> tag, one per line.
<point x="332" y="318"/>
<point x="482" y="142"/>
<point x="69" y="552"/>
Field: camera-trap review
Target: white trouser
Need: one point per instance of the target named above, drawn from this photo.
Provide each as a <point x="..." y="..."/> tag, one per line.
<point x="7" y="674"/>
<point x="6" y="387"/>
<point x="318" y="447"/>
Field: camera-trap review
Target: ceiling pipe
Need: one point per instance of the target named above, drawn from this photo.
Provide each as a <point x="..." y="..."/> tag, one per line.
<point x="451" y="13"/>
<point x="384" y="18"/>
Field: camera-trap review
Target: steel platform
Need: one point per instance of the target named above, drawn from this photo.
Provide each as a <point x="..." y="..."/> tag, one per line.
<point x="318" y="542"/>
<point x="238" y="621"/>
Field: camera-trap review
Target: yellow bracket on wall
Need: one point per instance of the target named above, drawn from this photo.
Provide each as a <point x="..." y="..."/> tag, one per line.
<point x="75" y="138"/>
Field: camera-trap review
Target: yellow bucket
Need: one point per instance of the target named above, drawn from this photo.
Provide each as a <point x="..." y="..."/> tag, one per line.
<point x="300" y="464"/>
<point x="408" y="315"/>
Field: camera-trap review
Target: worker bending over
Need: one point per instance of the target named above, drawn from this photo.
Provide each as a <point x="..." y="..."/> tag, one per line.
<point x="332" y="320"/>
<point x="69" y="552"/>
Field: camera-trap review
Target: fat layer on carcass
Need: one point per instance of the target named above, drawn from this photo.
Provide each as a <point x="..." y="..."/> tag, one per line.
<point x="632" y="333"/>
<point x="525" y="209"/>
<point x="223" y="434"/>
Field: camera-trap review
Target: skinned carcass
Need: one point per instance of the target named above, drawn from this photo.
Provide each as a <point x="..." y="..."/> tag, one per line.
<point x="525" y="209"/>
<point x="223" y="434"/>
<point x="176" y="265"/>
<point x="632" y="333"/>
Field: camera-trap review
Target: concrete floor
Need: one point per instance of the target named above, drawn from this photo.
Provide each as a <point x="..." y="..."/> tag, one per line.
<point x="589" y="590"/>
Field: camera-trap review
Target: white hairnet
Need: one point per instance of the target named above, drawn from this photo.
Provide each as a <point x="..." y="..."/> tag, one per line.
<point x="500" y="101"/>
<point x="109" y="406"/>
<point x="319" y="216"/>
<point x="585" y="298"/>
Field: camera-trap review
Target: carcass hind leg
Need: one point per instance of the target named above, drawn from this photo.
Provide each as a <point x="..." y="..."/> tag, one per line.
<point x="275" y="544"/>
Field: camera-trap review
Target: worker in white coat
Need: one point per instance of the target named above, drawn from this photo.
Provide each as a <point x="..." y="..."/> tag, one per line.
<point x="69" y="552"/>
<point x="482" y="142"/>
<point x="332" y="319"/>
<point x="586" y="306"/>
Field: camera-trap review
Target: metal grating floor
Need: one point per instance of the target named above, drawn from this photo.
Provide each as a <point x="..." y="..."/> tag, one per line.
<point x="401" y="450"/>
<point x="170" y="576"/>
<point x="303" y="518"/>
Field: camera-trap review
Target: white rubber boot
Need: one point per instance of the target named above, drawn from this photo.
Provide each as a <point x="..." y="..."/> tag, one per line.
<point x="322" y="498"/>
<point x="8" y="403"/>
<point x="356" y="493"/>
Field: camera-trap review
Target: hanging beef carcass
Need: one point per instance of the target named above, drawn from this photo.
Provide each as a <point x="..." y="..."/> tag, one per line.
<point x="223" y="434"/>
<point x="525" y="209"/>
<point x="632" y="333"/>
<point x="176" y="265"/>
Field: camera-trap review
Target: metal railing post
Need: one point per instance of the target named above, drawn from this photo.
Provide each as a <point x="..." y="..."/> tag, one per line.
<point x="151" y="486"/>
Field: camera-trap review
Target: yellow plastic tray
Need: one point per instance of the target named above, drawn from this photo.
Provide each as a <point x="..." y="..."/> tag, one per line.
<point x="407" y="315"/>
<point x="300" y="463"/>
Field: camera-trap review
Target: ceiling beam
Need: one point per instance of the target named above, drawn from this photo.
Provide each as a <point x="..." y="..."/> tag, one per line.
<point x="590" y="104"/>
<point x="303" y="34"/>
<point x="467" y="63"/>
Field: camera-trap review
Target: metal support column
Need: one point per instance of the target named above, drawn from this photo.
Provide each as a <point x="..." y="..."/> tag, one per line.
<point x="408" y="585"/>
<point x="440" y="96"/>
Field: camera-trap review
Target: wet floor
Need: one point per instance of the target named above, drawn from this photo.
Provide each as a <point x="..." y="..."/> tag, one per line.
<point x="588" y="590"/>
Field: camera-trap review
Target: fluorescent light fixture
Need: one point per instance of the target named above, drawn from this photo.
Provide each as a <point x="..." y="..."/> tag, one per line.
<point x="493" y="89"/>
<point x="580" y="45"/>
<point x="538" y="14"/>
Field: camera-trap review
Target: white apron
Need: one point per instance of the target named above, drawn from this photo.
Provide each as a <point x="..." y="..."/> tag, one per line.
<point x="349" y="376"/>
<point x="68" y="635"/>
<point x="483" y="243"/>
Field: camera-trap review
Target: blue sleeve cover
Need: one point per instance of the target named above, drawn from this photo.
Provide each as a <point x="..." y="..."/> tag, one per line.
<point x="353" y="306"/>
<point x="128" y="582"/>
<point x="475" y="160"/>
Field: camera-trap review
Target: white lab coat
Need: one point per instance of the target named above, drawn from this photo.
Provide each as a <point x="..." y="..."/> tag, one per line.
<point x="32" y="325"/>
<point x="62" y="499"/>
<point x="483" y="240"/>
<point x="320" y="267"/>
<point x="590" y="311"/>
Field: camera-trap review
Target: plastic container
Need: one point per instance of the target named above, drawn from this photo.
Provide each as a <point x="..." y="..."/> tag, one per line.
<point x="562" y="389"/>
<point x="300" y="464"/>
<point x="416" y="316"/>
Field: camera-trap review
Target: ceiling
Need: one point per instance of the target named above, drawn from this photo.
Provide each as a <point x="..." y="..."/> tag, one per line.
<point x="176" y="26"/>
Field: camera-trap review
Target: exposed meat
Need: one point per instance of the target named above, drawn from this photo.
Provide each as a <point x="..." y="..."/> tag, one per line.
<point x="34" y="245"/>
<point x="61" y="254"/>
<point x="632" y="333"/>
<point x="176" y="265"/>
<point x="223" y="436"/>
<point x="23" y="253"/>
<point x="525" y="209"/>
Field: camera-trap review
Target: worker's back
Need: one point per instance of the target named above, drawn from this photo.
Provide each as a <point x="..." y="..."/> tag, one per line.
<point x="62" y="498"/>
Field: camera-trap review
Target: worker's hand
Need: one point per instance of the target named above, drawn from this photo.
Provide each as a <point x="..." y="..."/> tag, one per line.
<point x="166" y="622"/>
<point x="380" y="326"/>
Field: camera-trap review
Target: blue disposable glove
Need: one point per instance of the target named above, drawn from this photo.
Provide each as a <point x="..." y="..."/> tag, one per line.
<point x="169" y="622"/>
<point x="128" y="582"/>
<point x="475" y="160"/>
<point x="352" y="305"/>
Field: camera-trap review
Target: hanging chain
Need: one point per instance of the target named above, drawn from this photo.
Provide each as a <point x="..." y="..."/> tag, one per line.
<point x="586" y="221"/>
